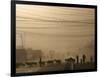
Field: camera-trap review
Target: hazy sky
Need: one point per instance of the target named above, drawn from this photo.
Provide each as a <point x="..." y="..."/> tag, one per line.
<point x="65" y="30"/>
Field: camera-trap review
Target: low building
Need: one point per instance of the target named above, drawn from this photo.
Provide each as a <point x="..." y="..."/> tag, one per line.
<point x="27" y="56"/>
<point x="33" y="55"/>
<point x="21" y="56"/>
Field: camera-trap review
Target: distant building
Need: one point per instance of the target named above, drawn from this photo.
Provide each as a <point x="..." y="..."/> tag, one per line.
<point x="27" y="56"/>
<point x="21" y="55"/>
<point x="33" y="55"/>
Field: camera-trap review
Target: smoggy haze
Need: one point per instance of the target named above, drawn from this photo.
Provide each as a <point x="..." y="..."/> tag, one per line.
<point x="66" y="30"/>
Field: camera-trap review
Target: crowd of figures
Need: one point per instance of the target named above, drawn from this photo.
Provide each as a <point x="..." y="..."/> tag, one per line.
<point x="69" y="64"/>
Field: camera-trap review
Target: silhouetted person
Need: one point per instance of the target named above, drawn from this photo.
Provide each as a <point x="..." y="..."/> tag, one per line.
<point x="84" y="58"/>
<point x="77" y="59"/>
<point x="40" y="61"/>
